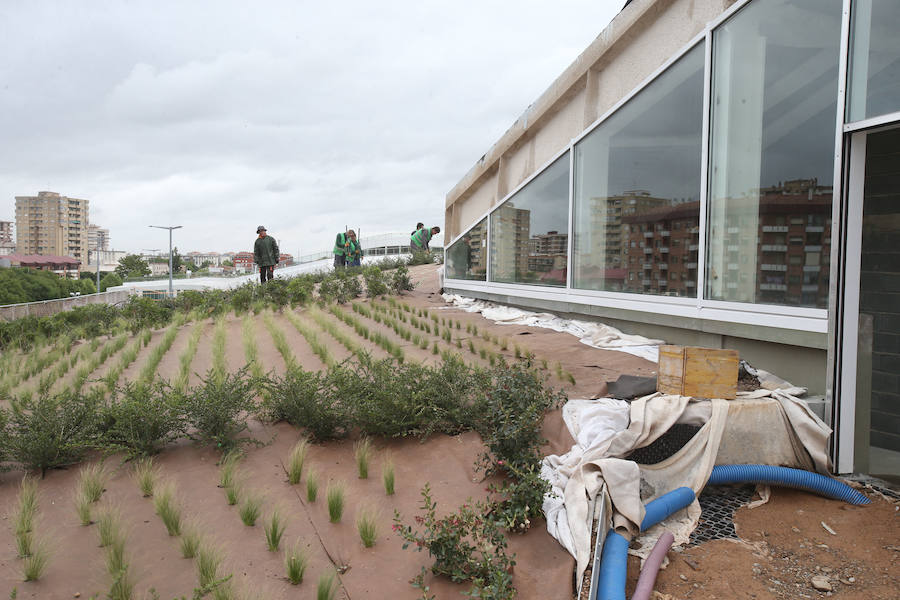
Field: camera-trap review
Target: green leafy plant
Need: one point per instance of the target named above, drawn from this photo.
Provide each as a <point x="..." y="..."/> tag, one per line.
<point x="295" y="562"/>
<point x="217" y="408"/>
<point x="466" y="546"/>
<point x="274" y="528"/>
<point x="53" y="431"/>
<point x="142" y="418"/>
<point x="335" y="498"/>
<point x="296" y="460"/>
<point x="302" y="398"/>
<point x="362" y="450"/>
<point x="367" y="526"/>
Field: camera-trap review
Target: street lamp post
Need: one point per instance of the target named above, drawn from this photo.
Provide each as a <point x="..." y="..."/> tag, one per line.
<point x="170" y="228"/>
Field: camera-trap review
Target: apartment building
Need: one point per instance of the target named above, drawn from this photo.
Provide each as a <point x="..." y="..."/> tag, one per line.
<point x="50" y="224"/>
<point x="98" y="237"/>
<point x="7" y="243"/>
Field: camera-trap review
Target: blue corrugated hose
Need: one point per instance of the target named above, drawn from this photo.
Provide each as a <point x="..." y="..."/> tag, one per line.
<point x="784" y="476"/>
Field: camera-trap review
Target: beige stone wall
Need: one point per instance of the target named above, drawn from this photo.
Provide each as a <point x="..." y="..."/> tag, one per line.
<point x="637" y="42"/>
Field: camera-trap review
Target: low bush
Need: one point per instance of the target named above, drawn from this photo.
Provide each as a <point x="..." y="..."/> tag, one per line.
<point x="217" y="408"/>
<point x="400" y="281"/>
<point x="46" y="432"/>
<point x="141" y="418"/>
<point x="300" y="398"/>
<point x="466" y="545"/>
<point x="376" y="281"/>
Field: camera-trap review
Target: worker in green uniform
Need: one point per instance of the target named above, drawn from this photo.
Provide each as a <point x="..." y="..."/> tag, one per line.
<point x="347" y="252"/>
<point x="418" y="241"/>
<point x="265" y="254"/>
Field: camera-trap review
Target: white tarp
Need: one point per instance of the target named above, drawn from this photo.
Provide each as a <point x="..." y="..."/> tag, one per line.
<point x="762" y="427"/>
<point x="596" y="335"/>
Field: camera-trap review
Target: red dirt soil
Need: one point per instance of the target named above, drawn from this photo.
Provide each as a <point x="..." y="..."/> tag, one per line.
<point x="783" y="542"/>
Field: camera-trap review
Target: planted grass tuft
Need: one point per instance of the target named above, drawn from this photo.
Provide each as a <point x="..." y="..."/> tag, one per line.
<point x="23" y="520"/>
<point x="233" y="494"/>
<point x="92" y="481"/>
<point x="295" y="561"/>
<point x="325" y="587"/>
<point x="367" y="526"/>
<point x="363" y="451"/>
<point x="209" y="559"/>
<point x="312" y="485"/>
<point x="83" y="508"/>
<point x="335" y="496"/>
<point x="274" y="527"/>
<point x="168" y="510"/>
<point x="109" y="527"/>
<point x="296" y="460"/>
<point x="250" y="510"/>
<point x="35" y="563"/>
<point x="190" y="541"/>
<point x="387" y="476"/>
<point x="146" y="474"/>
<point x="228" y="468"/>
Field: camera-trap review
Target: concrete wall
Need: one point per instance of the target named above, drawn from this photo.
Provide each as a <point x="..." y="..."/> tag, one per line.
<point x="46" y="308"/>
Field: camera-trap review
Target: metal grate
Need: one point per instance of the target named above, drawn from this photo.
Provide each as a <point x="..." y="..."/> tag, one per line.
<point x="718" y="503"/>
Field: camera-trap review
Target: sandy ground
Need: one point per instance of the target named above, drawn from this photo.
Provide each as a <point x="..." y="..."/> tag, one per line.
<point x="783" y="543"/>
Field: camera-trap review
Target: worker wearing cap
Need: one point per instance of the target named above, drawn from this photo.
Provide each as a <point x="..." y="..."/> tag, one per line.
<point x="347" y="251"/>
<point x="265" y="254"/>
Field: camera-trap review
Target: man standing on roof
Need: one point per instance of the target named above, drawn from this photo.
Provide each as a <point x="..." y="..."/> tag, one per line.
<point x="347" y="252"/>
<point x="418" y="241"/>
<point x="265" y="254"/>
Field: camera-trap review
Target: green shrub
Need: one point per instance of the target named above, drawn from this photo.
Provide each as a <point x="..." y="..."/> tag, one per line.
<point x="144" y="313"/>
<point x="466" y="546"/>
<point x="376" y="284"/>
<point x="400" y="282"/>
<point x="217" y="408"/>
<point x="300" y="398"/>
<point x="141" y="418"/>
<point x="54" y="431"/>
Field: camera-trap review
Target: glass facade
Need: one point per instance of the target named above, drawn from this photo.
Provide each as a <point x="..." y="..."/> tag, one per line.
<point x="529" y="232"/>
<point x="637" y="190"/>
<point x="773" y="112"/>
<point x="874" y="86"/>
<point x="466" y="258"/>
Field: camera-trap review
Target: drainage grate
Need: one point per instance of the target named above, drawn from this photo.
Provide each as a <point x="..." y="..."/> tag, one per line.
<point x="718" y="503"/>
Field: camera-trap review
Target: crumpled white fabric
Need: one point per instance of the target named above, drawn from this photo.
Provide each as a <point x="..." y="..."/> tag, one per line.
<point x="606" y="430"/>
<point x="596" y="335"/>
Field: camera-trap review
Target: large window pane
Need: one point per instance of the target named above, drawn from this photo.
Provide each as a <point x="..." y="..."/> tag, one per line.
<point x="529" y="232"/>
<point x="637" y="190"/>
<point x="874" y="60"/>
<point x="774" y="105"/>
<point x="467" y="256"/>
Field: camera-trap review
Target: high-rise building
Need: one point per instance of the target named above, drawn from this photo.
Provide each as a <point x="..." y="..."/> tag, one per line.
<point x="51" y="224"/>
<point x="98" y="238"/>
<point x="7" y="245"/>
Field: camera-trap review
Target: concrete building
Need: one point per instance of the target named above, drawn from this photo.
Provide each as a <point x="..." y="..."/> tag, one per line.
<point x="725" y="173"/>
<point x="98" y="238"/>
<point x="64" y="266"/>
<point x="50" y="224"/>
<point x="7" y="241"/>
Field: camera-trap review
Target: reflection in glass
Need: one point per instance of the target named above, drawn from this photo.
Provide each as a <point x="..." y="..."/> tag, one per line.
<point x="529" y="239"/>
<point x="637" y="190"/>
<point x="874" y="60"/>
<point x="467" y="256"/>
<point x="775" y="69"/>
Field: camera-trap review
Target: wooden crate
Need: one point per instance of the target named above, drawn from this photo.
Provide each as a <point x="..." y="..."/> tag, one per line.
<point x="698" y="372"/>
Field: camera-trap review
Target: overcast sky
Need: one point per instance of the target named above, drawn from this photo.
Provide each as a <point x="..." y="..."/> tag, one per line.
<point x="301" y="116"/>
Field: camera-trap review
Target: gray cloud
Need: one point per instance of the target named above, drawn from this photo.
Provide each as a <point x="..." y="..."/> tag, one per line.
<point x="304" y="116"/>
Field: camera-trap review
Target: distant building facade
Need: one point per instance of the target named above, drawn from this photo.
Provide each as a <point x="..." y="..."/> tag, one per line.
<point x="52" y="225"/>
<point x="7" y="242"/>
<point x="98" y="237"/>
<point x="64" y="266"/>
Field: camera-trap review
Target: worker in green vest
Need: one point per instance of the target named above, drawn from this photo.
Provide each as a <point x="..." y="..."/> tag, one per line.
<point x="347" y="252"/>
<point x="418" y="241"/>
